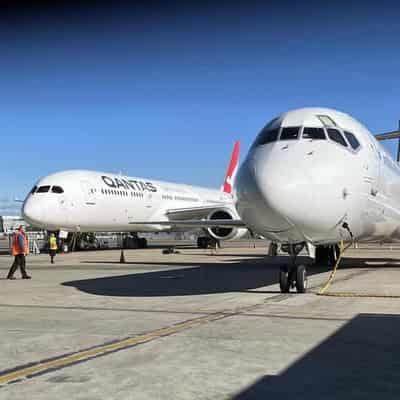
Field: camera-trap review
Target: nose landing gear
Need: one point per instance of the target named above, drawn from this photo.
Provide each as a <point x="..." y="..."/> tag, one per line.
<point x="294" y="276"/>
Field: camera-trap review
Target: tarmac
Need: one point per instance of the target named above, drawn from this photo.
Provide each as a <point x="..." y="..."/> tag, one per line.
<point x="198" y="325"/>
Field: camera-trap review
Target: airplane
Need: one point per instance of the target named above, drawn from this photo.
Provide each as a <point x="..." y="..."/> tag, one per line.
<point x="317" y="176"/>
<point x="312" y="178"/>
<point x="90" y="201"/>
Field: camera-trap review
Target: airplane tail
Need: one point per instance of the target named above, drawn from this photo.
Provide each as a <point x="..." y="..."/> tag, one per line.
<point x="232" y="169"/>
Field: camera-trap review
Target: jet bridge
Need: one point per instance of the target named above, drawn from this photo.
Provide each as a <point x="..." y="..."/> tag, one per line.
<point x="391" y="135"/>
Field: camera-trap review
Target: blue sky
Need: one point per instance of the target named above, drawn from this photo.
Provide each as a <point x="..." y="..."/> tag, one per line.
<point x="163" y="90"/>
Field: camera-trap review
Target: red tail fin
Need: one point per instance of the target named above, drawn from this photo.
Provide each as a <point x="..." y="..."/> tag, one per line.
<point x="232" y="168"/>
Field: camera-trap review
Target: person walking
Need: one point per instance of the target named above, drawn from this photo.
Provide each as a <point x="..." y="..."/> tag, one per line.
<point x="19" y="251"/>
<point x="52" y="247"/>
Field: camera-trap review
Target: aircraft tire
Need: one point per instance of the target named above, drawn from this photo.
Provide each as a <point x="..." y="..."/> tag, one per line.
<point x="323" y="256"/>
<point x="202" y="242"/>
<point x="134" y="243"/>
<point x="301" y="279"/>
<point x="284" y="281"/>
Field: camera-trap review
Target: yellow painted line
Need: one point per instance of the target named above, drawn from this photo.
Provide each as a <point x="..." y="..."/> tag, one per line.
<point x="84" y="355"/>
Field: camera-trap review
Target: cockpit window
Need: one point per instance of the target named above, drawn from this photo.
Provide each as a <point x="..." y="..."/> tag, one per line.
<point x="314" y="133"/>
<point x="326" y="120"/>
<point x="336" y="136"/>
<point x="267" y="136"/>
<point x="33" y="189"/>
<point x="290" y="133"/>
<point x="354" y="143"/>
<point x="273" y="124"/>
<point x="57" y="189"/>
<point x="43" y="189"/>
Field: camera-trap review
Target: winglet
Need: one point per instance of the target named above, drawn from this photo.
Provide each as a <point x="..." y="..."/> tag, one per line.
<point x="232" y="168"/>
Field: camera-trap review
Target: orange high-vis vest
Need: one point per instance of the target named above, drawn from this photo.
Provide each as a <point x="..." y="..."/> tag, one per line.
<point x="15" y="245"/>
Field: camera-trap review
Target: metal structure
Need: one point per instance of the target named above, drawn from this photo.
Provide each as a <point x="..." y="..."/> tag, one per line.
<point x="391" y="135"/>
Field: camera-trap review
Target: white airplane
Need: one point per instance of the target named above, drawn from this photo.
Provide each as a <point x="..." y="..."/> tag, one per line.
<point x="88" y="201"/>
<point x="317" y="176"/>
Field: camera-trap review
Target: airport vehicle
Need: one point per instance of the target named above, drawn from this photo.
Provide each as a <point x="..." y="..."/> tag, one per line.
<point x="89" y="201"/>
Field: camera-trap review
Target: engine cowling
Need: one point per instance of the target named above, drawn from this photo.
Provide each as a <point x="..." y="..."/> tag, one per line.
<point x="225" y="233"/>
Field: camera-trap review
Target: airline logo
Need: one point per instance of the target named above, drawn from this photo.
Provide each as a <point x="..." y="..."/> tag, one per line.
<point x="232" y="169"/>
<point x="128" y="184"/>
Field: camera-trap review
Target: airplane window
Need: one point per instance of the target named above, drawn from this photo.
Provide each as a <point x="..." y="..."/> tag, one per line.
<point x="354" y="143"/>
<point x="290" y="133"/>
<point x="336" y="136"/>
<point x="57" y="189"/>
<point x="326" y="120"/>
<point x="313" y="133"/>
<point x="43" y="189"/>
<point x="274" y="123"/>
<point x="33" y="189"/>
<point x="267" y="136"/>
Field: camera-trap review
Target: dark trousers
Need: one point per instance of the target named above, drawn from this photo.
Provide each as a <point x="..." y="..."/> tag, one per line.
<point x="19" y="261"/>
<point x="52" y="255"/>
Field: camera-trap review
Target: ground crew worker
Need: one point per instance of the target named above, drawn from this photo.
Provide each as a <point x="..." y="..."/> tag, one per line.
<point x="19" y="251"/>
<point x="52" y="247"/>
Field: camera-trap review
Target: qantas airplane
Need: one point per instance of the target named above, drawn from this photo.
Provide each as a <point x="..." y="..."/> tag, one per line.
<point x="88" y="201"/>
<point x="313" y="177"/>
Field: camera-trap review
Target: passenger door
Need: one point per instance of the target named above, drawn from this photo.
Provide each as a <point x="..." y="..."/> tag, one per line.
<point x="89" y="193"/>
<point x="373" y="170"/>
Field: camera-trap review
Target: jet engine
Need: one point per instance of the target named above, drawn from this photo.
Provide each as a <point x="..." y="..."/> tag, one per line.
<point x="224" y="233"/>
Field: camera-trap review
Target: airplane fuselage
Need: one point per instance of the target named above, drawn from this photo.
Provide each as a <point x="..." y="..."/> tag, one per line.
<point x="313" y="186"/>
<point x="89" y="201"/>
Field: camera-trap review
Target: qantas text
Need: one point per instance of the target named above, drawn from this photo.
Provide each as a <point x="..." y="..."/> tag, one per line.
<point x="128" y="184"/>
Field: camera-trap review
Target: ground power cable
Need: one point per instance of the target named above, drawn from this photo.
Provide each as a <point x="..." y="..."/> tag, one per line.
<point x="324" y="290"/>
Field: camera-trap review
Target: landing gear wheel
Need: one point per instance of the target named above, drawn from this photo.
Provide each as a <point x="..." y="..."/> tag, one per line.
<point x="326" y="256"/>
<point x="284" y="281"/>
<point x="203" y="242"/>
<point x="142" y="243"/>
<point x="301" y="279"/>
<point x="273" y="249"/>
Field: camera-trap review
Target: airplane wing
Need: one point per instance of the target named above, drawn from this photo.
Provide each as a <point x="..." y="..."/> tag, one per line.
<point x="194" y="212"/>
<point x="190" y="223"/>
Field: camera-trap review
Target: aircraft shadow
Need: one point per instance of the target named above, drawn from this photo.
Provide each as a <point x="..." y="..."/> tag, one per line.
<point x="194" y="278"/>
<point x="183" y="280"/>
<point x="359" y="361"/>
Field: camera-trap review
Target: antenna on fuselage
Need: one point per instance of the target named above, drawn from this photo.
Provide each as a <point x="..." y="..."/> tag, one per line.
<point x="391" y="135"/>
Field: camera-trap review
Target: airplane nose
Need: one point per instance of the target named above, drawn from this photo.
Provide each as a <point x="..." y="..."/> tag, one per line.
<point x="286" y="191"/>
<point x="261" y="193"/>
<point x="32" y="212"/>
<point x="286" y="195"/>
